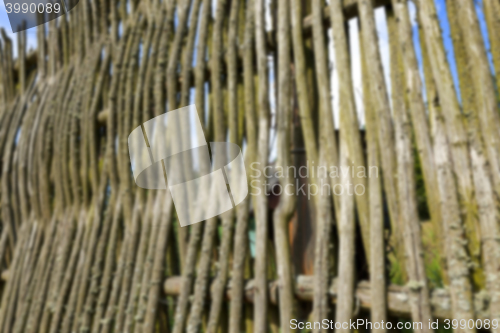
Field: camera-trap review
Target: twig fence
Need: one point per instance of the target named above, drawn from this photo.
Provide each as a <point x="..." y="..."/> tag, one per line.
<point x="84" y="249"/>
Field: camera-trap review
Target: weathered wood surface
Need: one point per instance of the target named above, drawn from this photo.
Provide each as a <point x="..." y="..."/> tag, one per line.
<point x="89" y="251"/>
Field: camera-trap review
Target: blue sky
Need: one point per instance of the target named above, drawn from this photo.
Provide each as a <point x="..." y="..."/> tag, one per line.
<point x="5" y="24"/>
<point x="443" y="19"/>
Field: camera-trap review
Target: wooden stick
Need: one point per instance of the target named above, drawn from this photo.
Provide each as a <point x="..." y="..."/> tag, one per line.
<point x="261" y="210"/>
<point x="398" y="300"/>
<point x="419" y="290"/>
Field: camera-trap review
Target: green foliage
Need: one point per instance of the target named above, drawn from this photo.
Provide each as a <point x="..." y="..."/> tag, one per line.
<point x="396" y="273"/>
<point x="432" y="257"/>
